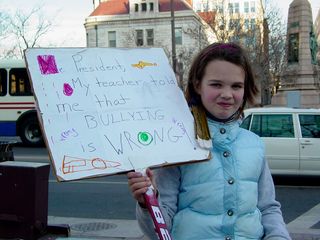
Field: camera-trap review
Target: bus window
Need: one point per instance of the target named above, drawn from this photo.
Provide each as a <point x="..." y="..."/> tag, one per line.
<point x="19" y="82"/>
<point x="3" y="82"/>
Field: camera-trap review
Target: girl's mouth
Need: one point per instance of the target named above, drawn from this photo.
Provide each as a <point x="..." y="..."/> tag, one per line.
<point x="225" y="105"/>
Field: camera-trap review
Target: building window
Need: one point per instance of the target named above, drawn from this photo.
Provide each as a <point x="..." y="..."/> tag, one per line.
<point x="246" y="24"/>
<point x="231" y="24"/>
<point x="236" y="7"/>
<point x="234" y="24"/>
<point x="250" y="41"/>
<point x="197" y="6"/>
<point x="178" y="35"/>
<point x="97" y="37"/>
<point x="205" y="7"/>
<point x="247" y="41"/>
<point x="221" y="24"/>
<point x="151" y="7"/>
<point x="220" y="8"/>
<point x="252" y="24"/>
<point x="150" y="37"/>
<point x="139" y="37"/>
<point x="230" y="8"/>
<point x="136" y="7"/>
<point x="237" y="24"/>
<point x="253" y="7"/>
<point x="112" y="39"/>
<point x="246" y="7"/>
<point x="211" y="6"/>
<point x="143" y="7"/>
<point x="235" y="38"/>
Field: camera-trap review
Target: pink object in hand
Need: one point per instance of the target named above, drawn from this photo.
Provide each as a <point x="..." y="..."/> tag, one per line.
<point x="157" y="217"/>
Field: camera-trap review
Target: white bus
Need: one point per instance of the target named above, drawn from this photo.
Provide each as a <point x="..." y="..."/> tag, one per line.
<point x="18" y="116"/>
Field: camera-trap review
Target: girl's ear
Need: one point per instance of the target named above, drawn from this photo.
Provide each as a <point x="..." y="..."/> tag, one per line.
<point x="197" y="87"/>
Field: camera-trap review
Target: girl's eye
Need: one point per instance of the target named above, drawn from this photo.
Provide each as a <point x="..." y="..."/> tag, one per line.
<point x="215" y="84"/>
<point x="237" y="86"/>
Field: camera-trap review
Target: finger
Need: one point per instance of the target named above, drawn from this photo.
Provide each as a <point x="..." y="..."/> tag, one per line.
<point x="135" y="180"/>
<point x="149" y="173"/>
<point x="135" y="185"/>
<point x="134" y="174"/>
<point x="138" y="194"/>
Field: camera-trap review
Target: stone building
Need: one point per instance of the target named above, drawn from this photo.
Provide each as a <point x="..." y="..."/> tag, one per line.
<point x="236" y="18"/>
<point x="148" y="23"/>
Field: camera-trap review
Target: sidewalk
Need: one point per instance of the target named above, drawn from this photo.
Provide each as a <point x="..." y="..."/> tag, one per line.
<point x="305" y="227"/>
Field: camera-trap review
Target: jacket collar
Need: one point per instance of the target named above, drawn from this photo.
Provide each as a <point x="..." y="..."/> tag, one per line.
<point x="223" y="133"/>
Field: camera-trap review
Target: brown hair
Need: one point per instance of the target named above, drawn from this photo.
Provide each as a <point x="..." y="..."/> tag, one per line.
<point x="229" y="52"/>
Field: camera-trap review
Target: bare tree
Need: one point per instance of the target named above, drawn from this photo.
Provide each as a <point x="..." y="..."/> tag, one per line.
<point x="4" y="34"/>
<point x="4" y="25"/>
<point x="130" y="38"/>
<point x="25" y="30"/>
<point x="277" y="44"/>
<point x="269" y="60"/>
<point x="198" y="33"/>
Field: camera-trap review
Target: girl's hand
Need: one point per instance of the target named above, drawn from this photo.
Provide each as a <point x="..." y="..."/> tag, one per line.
<point x="138" y="184"/>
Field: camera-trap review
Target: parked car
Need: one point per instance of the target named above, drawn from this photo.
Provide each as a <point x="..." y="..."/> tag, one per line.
<point x="291" y="137"/>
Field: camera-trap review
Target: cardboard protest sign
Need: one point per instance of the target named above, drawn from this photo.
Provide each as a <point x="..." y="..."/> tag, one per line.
<point x="104" y="111"/>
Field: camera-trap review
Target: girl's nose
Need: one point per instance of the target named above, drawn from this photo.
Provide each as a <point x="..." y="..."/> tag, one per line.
<point x="226" y="93"/>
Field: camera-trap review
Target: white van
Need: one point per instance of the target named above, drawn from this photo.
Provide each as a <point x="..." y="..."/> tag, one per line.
<point x="291" y="136"/>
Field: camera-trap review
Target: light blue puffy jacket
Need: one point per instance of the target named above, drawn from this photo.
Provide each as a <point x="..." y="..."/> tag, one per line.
<point x="218" y="198"/>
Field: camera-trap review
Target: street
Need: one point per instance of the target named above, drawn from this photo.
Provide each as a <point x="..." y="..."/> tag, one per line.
<point x="103" y="197"/>
<point x="109" y="197"/>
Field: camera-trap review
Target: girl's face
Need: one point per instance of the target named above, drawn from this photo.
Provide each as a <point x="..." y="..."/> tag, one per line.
<point x="222" y="88"/>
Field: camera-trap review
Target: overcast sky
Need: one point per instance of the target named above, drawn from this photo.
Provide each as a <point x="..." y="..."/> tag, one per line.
<point x="69" y="17"/>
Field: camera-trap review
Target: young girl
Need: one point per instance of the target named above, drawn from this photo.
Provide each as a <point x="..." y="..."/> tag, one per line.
<point x="232" y="195"/>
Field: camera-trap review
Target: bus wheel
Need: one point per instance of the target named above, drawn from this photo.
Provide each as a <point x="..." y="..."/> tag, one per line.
<point x="30" y="132"/>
